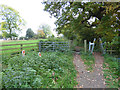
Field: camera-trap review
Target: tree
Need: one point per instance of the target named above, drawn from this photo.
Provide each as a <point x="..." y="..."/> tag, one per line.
<point x="1" y="36"/>
<point x="5" y="34"/>
<point x="29" y="33"/>
<point x="73" y="19"/>
<point x="41" y="34"/>
<point x="46" y="29"/>
<point x="11" y="20"/>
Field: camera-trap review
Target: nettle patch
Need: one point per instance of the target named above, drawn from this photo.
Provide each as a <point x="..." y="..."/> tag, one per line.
<point x="111" y="71"/>
<point x="51" y="70"/>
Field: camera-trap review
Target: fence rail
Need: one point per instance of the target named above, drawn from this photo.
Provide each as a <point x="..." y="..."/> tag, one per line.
<point x="41" y="46"/>
<point x="19" y="46"/>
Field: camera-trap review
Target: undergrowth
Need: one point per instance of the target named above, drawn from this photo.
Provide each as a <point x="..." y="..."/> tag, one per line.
<point x="51" y="70"/>
<point x="110" y="68"/>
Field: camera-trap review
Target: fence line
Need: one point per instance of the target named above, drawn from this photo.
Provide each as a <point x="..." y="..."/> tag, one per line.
<point x="42" y="46"/>
<point x="21" y="47"/>
<point x="16" y="44"/>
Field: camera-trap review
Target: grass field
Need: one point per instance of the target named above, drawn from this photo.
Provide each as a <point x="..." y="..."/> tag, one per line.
<point x="18" y="46"/>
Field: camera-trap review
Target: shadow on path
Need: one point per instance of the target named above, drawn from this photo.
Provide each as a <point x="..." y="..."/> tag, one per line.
<point x="88" y="79"/>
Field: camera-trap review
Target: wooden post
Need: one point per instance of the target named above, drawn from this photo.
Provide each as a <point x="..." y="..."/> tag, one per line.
<point x="53" y="46"/>
<point x="111" y="51"/>
<point x="69" y="45"/>
<point x="85" y="45"/>
<point x="89" y="46"/>
<point x="21" y="47"/>
<point x="39" y="46"/>
<point x="101" y="44"/>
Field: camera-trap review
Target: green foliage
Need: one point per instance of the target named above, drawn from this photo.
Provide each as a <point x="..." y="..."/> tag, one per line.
<point x="29" y="33"/>
<point x="14" y="35"/>
<point x="74" y="19"/>
<point x="21" y="38"/>
<point x="12" y="20"/>
<point x="111" y="71"/>
<point x="51" y="70"/>
<point x="40" y="34"/>
<point x="57" y="39"/>
<point x="54" y="39"/>
<point x="5" y="58"/>
<point x="75" y="43"/>
<point x="1" y="36"/>
<point x="46" y="29"/>
<point x="5" y="34"/>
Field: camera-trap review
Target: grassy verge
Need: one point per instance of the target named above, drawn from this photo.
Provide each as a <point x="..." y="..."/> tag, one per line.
<point x="88" y="59"/>
<point x="110" y="68"/>
<point x="51" y="70"/>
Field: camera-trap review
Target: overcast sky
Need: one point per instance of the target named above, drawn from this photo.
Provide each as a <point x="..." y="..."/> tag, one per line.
<point x="32" y="12"/>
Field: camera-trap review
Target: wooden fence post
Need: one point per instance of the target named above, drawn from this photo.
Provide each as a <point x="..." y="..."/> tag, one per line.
<point x="53" y="46"/>
<point x="85" y="45"/>
<point x="39" y="46"/>
<point x="21" y="47"/>
<point x="68" y="44"/>
<point x="111" y="51"/>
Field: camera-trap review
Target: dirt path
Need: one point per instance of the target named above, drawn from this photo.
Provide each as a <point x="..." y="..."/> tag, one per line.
<point x="87" y="79"/>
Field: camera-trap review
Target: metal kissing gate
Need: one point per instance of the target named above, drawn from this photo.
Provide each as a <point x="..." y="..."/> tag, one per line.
<point x="92" y="45"/>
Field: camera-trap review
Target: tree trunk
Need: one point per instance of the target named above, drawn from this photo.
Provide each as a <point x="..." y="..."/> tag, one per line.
<point x="10" y="34"/>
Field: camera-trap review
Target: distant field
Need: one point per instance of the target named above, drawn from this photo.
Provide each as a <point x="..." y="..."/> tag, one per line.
<point x="18" y="46"/>
<point x="20" y="41"/>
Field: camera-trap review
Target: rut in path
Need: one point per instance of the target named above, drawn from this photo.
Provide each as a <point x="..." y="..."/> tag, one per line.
<point x="87" y="79"/>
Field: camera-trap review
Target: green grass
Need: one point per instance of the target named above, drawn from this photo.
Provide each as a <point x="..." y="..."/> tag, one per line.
<point x="18" y="46"/>
<point x="110" y="68"/>
<point x="19" y="42"/>
<point x="88" y="59"/>
<point x="51" y="70"/>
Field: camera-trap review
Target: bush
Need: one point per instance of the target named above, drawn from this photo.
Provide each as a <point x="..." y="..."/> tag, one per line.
<point x="56" y="39"/>
<point x="21" y="38"/>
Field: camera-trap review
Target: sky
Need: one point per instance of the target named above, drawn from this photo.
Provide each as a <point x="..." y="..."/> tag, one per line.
<point x="32" y="12"/>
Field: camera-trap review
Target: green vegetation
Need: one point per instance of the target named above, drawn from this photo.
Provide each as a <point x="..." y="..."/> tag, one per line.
<point x="20" y="41"/>
<point x="46" y="29"/>
<point x="29" y="33"/>
<point x="74" y="20"/>
<point x="110" y="68"/>
<point x="56" y="69"/>
<point x="12" y="21"/>
<point x="17" y="46"/>
<point x="51" y="70"/>
<point x="88" y="59"/>
<point x="35" y="44"/>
